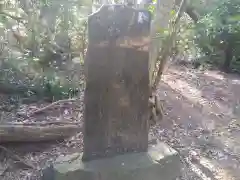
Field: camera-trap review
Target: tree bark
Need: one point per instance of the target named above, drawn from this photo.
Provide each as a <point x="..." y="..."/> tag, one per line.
<point x="192" y="13"/>
<point x="166" y="50"/>
<point x="228" y="57"/>
<point x="189" y="10"/>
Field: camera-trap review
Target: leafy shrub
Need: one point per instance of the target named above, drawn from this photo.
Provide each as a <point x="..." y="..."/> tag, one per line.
<point x="39" y="40"/>
<point x="217" y="34"/>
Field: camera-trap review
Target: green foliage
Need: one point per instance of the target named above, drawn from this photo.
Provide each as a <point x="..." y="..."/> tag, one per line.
<point x="218" y="32"/>
<point x="42" y="38"/>
<point x="152" y="9"/>
<point x="54" y="89"/>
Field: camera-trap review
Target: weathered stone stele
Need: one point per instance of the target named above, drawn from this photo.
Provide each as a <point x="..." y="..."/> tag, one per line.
<point x="117" y="79"/>
<point x="116" y="105"/>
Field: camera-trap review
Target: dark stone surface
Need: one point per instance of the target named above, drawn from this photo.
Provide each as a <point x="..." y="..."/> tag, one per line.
<point x="117" y="79"/>
<point x="117" y="23"/>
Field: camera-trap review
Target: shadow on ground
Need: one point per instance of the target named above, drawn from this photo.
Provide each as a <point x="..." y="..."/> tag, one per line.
<point x="201" y="122"/>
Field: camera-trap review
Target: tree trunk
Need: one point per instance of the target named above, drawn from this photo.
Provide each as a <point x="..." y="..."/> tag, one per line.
<point x="189" y="10"/>
<point x="165" y="53"/>
<point x="228" y="57"/>
<point x="192" y="13"/>
<point x="161" y="19"/>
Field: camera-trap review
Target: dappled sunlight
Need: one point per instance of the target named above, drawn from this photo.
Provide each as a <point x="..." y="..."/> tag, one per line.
<point x="199" y="106"/>
<point x="207" y="163"/>
<point x="78" y="90"/>
<point x="215" y="105"/>
<point x="215" y="74"/>
<point x="187" y="91"/>
<point x="207" y="169"/>
<point x="236" y="81"/>
<point x="203" y="169"/>
<point x="195" y="97"/>
<point x="198" y="171"/>
<point x="231" y="146"/>
<point x="218" y="172"/>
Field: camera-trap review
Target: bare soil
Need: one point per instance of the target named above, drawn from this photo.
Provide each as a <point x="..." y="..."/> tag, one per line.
<point x="201" y="122"/>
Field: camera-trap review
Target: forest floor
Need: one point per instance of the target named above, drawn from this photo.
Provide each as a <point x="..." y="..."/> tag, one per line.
<point x="201" y="122"/>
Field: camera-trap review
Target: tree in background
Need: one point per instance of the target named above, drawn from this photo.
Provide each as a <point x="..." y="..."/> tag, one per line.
<point x="217" y="33"/>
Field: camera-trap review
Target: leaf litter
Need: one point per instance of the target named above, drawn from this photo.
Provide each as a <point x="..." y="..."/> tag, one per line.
<point x="201" y="122"/>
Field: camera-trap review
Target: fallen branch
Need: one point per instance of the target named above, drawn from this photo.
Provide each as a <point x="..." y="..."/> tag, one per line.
<point x="42" y="123"/>
<point x="15" y="156"/>
<point x="36" y="133"/>
<point x="41" y="110"/>
<point x="18" y="19"/>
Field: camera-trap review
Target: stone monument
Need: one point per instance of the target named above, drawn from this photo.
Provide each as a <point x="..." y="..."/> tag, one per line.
<point x="116" y="95"/>
<point x="116" y="104"/>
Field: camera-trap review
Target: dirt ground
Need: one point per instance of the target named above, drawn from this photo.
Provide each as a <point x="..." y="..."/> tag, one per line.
<point x="201" y="122"/>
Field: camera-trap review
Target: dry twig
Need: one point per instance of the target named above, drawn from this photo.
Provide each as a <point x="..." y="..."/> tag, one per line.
<point x="15" y="156"/>
<point x="41" y="110"/>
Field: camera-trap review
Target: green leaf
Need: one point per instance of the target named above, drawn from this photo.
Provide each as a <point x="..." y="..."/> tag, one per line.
<point x="172" y="12"/>
<point x="154" y="1"/>
<point x="234" y="18"/>
<point x="151" y="8"/>
<point x="161" y="30"/>
<point x="166" y="32"/>
<point x="45" y="2"/>
<point x="3" y="19"/>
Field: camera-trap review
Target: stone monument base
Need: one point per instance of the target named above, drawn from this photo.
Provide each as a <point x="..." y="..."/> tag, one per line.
<point x="161" y="162"/>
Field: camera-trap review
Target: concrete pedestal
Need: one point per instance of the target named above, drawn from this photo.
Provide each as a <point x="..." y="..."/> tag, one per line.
<point x="160" y="163"/>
